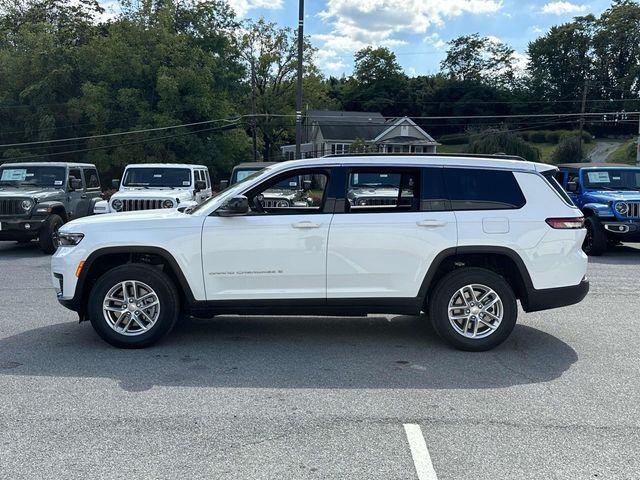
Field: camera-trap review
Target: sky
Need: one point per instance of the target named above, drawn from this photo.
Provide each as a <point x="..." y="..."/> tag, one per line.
<point x="416" y="30"/>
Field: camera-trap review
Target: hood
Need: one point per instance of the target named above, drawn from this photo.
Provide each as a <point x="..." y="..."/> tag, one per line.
<point x="605" y="196"/>
<point x="108" y="222"/>
<point x="152" y="194"/>
<point x="41" y="194"/>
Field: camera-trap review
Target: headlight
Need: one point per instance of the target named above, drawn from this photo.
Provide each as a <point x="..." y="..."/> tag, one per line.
<point x="117" y="205"/>
<point x="68" y="239"/>
<point x="26" y="205"/>
<point x="362" y="202"/>
<point x="622" y="208"/>
<point x="167" y="204"/>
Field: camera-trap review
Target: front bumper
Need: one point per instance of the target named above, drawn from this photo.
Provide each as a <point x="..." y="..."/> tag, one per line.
<point x="624" y="231"/>
<point x="24" y="228"/>
<point x="549" y="298"/>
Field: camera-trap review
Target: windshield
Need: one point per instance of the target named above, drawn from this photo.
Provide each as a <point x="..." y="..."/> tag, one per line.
<point x="42" y="176"/>
<point x="157" y="177"/>
<point x="375" y="180"/>
<point x="612" y="179"/>
<point x="248" y="178"/>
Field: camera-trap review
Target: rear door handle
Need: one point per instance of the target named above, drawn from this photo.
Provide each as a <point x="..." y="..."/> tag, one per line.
<point x="305" y="225"/>
<point x="431" y="223"/>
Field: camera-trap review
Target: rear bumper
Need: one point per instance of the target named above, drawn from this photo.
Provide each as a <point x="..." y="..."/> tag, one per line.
<point x="20" y="229"/>
<point x="548" y="298"/>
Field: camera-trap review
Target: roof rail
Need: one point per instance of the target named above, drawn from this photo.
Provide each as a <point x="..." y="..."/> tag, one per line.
<point x="452" y="155"/>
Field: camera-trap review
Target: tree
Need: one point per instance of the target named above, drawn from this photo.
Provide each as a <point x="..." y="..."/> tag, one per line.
<point x="270" y="56"/>
<point x="569" y="150"/>
<point x="501" y="141"/>
<point x="378" y="83"/>
<point x="560" y="62"/>
<point x="480" y="59"/>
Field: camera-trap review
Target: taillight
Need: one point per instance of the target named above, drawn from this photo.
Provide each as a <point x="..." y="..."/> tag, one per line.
<point x="566" y="223"/>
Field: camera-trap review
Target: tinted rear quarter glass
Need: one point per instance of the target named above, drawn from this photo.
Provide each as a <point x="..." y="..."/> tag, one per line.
<point x="552" y="177"/>
<point x="478" y="189"/>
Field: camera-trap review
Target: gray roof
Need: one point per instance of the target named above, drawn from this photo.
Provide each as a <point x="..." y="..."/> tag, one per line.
<point x="337" y="125"/>
<point x="48" y="164"/>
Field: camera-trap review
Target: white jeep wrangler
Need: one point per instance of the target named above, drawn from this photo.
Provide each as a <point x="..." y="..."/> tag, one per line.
<point x="150" y="186"/>
<point x="465" y="238"/>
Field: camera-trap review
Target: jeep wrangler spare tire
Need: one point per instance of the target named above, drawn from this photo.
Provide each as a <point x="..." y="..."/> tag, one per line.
<point x="133" y="306"/>
<point x="47" y="231"/>
<point x="473" y="309"/>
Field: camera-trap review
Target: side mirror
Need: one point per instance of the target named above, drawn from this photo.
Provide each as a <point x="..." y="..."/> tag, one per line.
<point x="235" y="206"/>
<point x="200" y="185"/>
<point x="75" y="183"/>
<point x="573" y="187"/>
<point x="224" y="184"/>
<point x="306" y="185"/>
<point x="115" y="184"/>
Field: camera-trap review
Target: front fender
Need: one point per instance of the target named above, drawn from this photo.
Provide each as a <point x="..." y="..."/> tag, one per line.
<point x="599" y="209"/>
<point x="101" y="207"/>
<point x="45" y="208"/>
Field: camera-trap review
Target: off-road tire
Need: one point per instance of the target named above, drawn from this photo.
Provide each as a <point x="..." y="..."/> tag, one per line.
<point x="596" y="241"/>
<point x="48" y="229"/>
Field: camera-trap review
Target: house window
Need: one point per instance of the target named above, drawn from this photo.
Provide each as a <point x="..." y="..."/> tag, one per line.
<point x="404" y="131"/>
<point x="339" y="148"/>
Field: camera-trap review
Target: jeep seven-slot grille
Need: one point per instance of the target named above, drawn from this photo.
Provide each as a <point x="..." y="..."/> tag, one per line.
<point x="376" y="202"/>
<point x="268" y="203"/>
<point x="11" y="207"/>
<point x="129" y="205"/>
<point x="634" y="210"/>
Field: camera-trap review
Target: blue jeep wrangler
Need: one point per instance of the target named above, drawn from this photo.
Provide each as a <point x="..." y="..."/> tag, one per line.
<point x="609" y="196"/>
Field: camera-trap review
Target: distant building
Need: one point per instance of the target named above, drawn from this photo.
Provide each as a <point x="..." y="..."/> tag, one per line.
<point x="332" y="132"/>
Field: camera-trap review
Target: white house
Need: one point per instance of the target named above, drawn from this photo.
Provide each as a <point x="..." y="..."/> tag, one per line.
<point x="330" y="132"/>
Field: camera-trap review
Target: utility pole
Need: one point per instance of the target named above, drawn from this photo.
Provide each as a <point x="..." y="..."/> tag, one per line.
<point x="299" y="85"/>
<point x="253" y="108"/>
<point x="638" y="145"/>
<point x="584" y="107"/>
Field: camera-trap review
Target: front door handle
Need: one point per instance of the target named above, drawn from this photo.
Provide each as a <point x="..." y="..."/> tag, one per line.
<point x="431" y="223"/>
<point x="305" y="225"/>
<point x="83" y="196"/>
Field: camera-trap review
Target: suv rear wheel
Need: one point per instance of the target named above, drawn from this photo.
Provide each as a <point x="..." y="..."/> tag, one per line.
<point x="473" y="309"/>
<point x="133" y="306"/>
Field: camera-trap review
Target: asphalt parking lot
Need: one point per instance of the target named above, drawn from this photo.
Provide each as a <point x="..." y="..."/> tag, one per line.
<point x="274" y="398"/>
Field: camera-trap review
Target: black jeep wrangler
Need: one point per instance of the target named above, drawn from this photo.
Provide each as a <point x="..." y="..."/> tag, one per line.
<point x="37" y="198"/>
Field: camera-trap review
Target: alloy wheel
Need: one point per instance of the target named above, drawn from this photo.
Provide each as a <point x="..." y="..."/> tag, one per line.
<point x="475" y="311"/>
<point x="131" y="307"/>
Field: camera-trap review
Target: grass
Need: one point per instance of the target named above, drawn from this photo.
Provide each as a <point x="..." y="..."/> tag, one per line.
<point x="625" y="153"/>
<point x="545" y="149"/>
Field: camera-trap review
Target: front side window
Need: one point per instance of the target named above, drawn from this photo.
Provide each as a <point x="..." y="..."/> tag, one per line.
<point x="477" y="189"/>
<point x="612" y="179"/>
<point x="18" y="176"/>
<point x="376" y="189"/>
<point x="299" y="193"/>
<point x="157" y="177"/>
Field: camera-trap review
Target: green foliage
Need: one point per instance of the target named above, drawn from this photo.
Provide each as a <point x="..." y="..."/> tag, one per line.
<point x="454" y="139"/>
<point x="568" y="150"/>
<point x="552" y="136"/>
<point x="499" y="141"/>
<point x="625" y="153"/>
<point x="359" y="146"/>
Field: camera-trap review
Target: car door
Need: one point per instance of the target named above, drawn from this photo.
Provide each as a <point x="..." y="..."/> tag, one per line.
<point x="92" y="183"/>
<point x="78" y="203"/>
<point x="273" y="252"/>
<point x="205" y="193"/>
<point x="393" y="224"/>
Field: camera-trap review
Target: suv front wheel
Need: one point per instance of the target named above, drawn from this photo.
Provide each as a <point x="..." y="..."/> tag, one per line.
<point x="473" y="309"/>
<point x="133" y="306"/>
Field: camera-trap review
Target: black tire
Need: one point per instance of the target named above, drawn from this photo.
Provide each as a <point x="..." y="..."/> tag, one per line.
<point x="154" y="278"/>
<point x="49" y="228"/>
<point x="445" y="291"/>
<point x="596" y="241"/>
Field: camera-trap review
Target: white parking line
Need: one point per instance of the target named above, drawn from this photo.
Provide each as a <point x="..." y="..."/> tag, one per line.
<point x="419" y="452"/>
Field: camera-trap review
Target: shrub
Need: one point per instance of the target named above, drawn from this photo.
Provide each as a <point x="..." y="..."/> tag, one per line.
<point x="497" y="141"/>
<point x="553" y="136"/>
<point x="537" y="136"/>
<point x="568" y="150"/>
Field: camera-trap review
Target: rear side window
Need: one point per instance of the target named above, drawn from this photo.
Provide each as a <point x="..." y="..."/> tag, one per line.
<point x="91" y="177"/>
<point x="434" y="195"/>
<point x="380" y="189"/>
<point x="552" y="178"/>
<point x="475" y="189"/>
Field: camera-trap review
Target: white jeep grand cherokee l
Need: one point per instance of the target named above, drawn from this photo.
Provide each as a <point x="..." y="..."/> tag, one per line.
<point x="465" y="238"/>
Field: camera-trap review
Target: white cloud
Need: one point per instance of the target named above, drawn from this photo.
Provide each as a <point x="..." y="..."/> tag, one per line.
<point x="241" y="7"/>
<point x="356" y="24"/>
<point x="563" y="8"/>
<point x="435" y="41"/>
